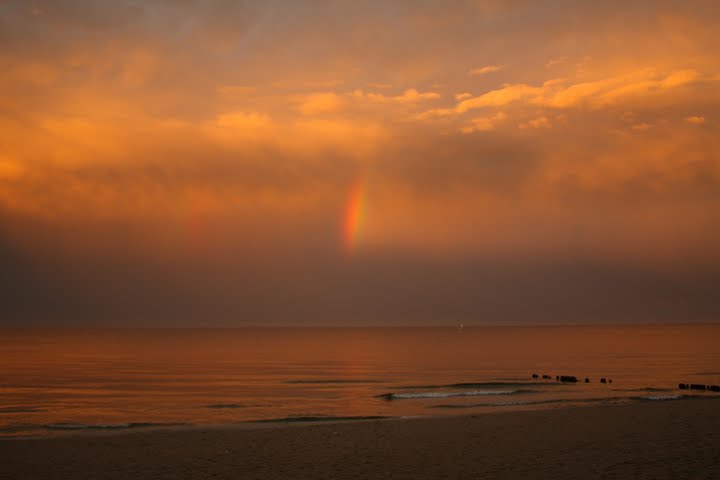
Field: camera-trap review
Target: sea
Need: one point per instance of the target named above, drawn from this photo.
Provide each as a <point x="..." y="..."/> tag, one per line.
<point x="61" y="381"/>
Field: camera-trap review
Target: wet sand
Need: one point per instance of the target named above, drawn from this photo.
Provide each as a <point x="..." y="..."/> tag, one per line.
<point x="672" y="439"/>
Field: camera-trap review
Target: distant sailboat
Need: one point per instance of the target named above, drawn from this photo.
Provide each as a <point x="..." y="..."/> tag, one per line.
<point x="460" y="328"/>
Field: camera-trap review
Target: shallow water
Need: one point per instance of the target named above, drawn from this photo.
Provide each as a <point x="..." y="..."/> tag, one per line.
<point x="54" y="381"/>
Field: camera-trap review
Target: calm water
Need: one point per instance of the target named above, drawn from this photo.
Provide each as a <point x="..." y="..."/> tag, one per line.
<point x="52" y="381"/>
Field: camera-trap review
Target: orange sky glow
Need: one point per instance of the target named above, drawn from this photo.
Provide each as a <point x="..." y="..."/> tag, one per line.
<point x="364" y="151"/>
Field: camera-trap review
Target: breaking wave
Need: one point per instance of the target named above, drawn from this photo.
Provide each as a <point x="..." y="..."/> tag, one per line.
<point x="662" y="397"/>
<point x="319" y="418"/>
<point x="469" y="385"/>
<point x="646" y="389"/>
<point x="232" y="406"/>
<point x="330" y="381"/>
<point x="577" y="401"/>
<point x="472" y="393"/>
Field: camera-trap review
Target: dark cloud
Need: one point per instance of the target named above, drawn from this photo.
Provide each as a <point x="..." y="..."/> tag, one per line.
<point x="307" y="282"/>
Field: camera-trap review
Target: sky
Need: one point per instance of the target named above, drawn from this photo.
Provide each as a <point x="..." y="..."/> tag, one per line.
<point x="231" y="163"/>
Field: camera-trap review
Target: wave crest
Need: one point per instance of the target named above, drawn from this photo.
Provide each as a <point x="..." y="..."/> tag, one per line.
<point x="472" y="393"/>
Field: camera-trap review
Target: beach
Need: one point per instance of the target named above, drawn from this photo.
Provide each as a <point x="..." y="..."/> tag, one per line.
<point x="653" y="439"/>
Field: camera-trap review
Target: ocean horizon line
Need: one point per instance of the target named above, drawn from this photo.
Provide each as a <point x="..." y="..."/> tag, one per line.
<point x="457" y="325"/>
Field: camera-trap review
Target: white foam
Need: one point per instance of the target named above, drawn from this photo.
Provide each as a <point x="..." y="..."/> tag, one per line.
<point x="473" y="393"/>
<point x="662" y="397"/>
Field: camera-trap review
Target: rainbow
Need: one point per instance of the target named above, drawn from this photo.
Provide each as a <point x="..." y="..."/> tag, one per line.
<point x="355" y="213"/>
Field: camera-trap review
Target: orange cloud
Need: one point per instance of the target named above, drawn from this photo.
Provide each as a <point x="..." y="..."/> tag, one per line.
<point x="500" y="97"/>
<point x="320" y="102"/>
<point x="563" y="94"/>
<point x="642" y="127"/>
<point x="476" y="72"/>
<point x="353" y="138"/>
<point x="556" y="61"/>
<point x="484" y="124"/>
<point x="254" y="131"/>
<point x="695" y="120"/>
<point x="380" y="85"/>
<point x="409" y="96"/>
<point x="614" y="89"/>
<point x="243" y="120"/>
<point x="539" y="122"/>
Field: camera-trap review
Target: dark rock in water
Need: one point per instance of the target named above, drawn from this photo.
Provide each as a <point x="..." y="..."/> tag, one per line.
<point x="683" y="386"/>
<point x="697" y="386"/>
<point x="548" y="377"/>
<point x="557" y="377"/>
<point x="535" y="375"/>
<point x="568" y="378"/>
<point x="714" y="388"/>
<point x="587" y="380"/>
<point x="603" y="380"/>
<point x="609" y="380"/>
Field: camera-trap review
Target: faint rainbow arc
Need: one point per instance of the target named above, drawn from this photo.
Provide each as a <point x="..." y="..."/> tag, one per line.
<point x="355" y="213"/>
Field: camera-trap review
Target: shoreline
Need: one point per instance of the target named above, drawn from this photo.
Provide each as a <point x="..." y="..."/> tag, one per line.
<point x="71" y="430"/>
<point x="663" y="439"/>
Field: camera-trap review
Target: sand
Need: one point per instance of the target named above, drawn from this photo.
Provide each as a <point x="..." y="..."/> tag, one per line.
<point x="672" y="439"/>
